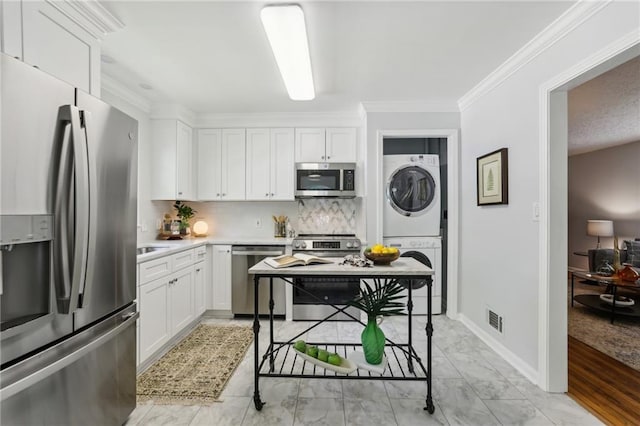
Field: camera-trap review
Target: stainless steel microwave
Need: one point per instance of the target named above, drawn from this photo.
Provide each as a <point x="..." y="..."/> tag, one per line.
<point x="325" y="180"/>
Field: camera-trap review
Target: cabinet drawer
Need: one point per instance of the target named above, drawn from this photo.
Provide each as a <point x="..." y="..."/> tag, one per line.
<point x="155" y="269"/>
<point x="201" y="253"/>
<point x="183" y="259"/>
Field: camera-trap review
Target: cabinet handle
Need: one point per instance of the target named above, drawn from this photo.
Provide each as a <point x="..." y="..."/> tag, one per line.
<point x="328" y="157"/>
<point x="224" y="195"/>
<point x="198" y="270"/>
<point x="179" y="193"/>
<point x="272" y="194"/>
<point x="218" y="194"/>
<point x="322" y="157"/>
<point x="266" y="195"/>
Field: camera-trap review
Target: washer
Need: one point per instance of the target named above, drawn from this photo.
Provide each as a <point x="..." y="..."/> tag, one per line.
<point x="427" y="250"/>
<point x="412" y="196"/>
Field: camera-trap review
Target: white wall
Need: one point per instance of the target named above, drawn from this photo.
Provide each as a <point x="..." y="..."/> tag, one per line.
<point x="378" y="121"/>
<point x="499" y="258"/>
<point x="603" y="184"/>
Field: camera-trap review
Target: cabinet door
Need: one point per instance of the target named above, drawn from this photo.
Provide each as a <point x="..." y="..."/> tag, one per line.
<point x="199" y="275"/>
<point x="11" y="28"/>
<point x="233" y="165"/>
<point x="310" y="145"/>
<point x="163" y="159"/>
<point x="155" y="329"/>
<point x="282" y="164"/>
<point x="209" y="154"/>
<point x="341" y="145"/>
<point x="57" y="45"/>
<point x="221" y="269"/>
<point x="258" y="164"/>
<point x="184" y="162"/>
<point x="182" y="309"/>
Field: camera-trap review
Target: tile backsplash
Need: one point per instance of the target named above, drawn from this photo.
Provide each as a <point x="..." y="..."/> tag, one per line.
<point x="326" y="216"/>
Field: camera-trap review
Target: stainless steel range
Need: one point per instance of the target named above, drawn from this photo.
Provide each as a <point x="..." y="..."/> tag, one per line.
<point x="310" y="294"/>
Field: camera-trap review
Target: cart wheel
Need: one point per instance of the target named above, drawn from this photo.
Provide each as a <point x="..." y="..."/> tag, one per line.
<point x="430" y="407"/>
<point x="258" y="403"/>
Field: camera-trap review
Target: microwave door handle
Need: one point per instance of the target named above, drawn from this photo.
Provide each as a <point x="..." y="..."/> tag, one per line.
<point x="341" y="187"/>
<point x="71" y="208"/>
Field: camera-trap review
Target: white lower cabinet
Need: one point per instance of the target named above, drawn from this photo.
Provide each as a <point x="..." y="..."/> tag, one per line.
<point x="221" y="278"/>
<point x="155" y="329"/>
<point x="181" y="299"/>
<point x="171" y="296"/>
<point x="199" y="279"/>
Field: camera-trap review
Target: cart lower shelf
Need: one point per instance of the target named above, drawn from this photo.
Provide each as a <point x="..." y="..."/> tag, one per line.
<point x="403" y="363"/>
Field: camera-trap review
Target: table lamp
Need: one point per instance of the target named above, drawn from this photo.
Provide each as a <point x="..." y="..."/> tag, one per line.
<point x="599" y="228"/>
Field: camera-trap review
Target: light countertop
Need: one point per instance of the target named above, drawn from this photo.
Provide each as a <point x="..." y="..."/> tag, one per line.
<point x="175" y="246"/>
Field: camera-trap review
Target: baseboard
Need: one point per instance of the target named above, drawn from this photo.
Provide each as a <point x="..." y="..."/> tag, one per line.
<point x="515" y="361"/>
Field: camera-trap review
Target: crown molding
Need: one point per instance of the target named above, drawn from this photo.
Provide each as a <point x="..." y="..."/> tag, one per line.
<point x="409" y="106"/>
<point x="279" y="119"/>
<point x="113" y="86"/>
<point x="90" y="15"/>
<point x="160" y="111"/>
<point x="557" y="30"/>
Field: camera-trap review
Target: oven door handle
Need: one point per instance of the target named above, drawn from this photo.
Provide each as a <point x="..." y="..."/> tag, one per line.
<point x="256" y="253"/>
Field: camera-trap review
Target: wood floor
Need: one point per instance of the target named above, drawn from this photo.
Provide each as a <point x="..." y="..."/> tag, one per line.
<point x="609" y="389"/>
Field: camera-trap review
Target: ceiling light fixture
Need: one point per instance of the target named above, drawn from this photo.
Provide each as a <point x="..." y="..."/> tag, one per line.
<point x="287" y="34"/>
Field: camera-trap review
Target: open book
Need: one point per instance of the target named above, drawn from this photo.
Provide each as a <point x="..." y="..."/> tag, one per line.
<point x="297" y="259"/>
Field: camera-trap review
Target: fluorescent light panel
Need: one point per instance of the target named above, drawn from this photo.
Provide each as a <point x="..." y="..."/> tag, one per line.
<point x="287" y="34"/>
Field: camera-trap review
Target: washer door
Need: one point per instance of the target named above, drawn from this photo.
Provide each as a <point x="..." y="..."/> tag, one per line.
<point x="411" y="190"/>
<point x="417" y="283"/>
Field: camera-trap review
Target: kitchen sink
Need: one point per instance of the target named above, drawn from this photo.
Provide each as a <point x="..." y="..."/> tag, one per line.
<point x="145" y="250"/>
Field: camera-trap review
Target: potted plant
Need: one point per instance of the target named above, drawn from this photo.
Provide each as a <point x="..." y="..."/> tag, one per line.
<point x="184" y="213"/>
<point x="377" y="302"/>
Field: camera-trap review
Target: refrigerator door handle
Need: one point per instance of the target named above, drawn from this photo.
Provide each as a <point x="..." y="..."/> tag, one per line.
<point x="67" y="359"/>
<point x="71" y="213"/>
<point x="92" y="230"/>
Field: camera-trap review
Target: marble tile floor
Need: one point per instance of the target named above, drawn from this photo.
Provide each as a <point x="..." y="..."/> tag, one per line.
<point x="472" y="385"/>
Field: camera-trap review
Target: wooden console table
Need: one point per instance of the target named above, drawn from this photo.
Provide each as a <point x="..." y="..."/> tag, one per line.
<point x="404" y="363"/>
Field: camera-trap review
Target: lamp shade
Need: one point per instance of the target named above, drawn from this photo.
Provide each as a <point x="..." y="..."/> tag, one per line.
<point x="600" y="228"/>
<point x="200" y="228"/>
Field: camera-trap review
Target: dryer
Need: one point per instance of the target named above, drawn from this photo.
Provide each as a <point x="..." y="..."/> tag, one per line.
<point x="427" y="250"/>
<point x="412" y="195"/>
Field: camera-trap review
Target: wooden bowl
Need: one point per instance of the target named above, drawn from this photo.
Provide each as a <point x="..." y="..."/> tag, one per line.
<point x="382" y="258"/>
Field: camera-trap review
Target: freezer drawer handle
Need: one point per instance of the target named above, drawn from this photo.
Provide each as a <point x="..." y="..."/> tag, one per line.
<point x="67" y="360"/>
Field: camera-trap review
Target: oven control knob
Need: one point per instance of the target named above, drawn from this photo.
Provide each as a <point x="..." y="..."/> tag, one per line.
<point x="349" y="245"/>
<point x="304" y="245"/>
<point x="356" y="244"/>
<point x="296" y="245"/>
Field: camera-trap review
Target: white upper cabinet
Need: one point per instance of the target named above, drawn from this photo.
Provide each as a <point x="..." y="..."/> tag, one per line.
<point x="310" y="145"/>
<point x="209" y="153"/>
<point x="332" y="145"/>
<point x="41" y="35"/>
<point x="221" y="164"/>
<point x="270" y="164"/>
<point x="341" y="145"/>
<point x="171" y="160"/>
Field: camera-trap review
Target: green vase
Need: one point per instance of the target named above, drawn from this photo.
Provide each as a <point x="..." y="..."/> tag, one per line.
<point x="373" y="342"/>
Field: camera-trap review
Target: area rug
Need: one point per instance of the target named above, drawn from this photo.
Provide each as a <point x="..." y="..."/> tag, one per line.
<point x="620" y="340"/>
<point x="197" y="369"/>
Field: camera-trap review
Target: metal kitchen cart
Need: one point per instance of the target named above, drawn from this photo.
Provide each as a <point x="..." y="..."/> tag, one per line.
<point x="281" y="360"/>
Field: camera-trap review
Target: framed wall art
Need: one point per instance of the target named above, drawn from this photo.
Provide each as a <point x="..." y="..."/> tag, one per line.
<point x="493" y="179"/>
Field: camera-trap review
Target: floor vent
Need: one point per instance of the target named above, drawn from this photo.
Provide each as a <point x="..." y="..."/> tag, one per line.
<point x="495" y="320"/>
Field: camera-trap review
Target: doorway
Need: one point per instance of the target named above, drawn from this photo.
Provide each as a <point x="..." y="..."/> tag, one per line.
<point x="553" y="364"/>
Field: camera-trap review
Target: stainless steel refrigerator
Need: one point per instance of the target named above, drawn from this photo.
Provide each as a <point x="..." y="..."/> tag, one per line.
<point x="67" y="252"/>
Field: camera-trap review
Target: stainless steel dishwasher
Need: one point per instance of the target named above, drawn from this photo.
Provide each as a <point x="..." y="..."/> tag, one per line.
<point x="243" y="258"/>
